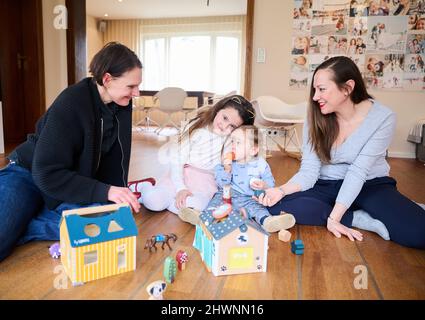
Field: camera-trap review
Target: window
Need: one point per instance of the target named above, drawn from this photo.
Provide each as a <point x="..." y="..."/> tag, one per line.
<point x="122" y="263"/>
<point x="194" y="63"/>
<point x="90" y="257"/>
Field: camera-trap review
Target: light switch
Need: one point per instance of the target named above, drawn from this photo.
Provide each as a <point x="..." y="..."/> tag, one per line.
<point x="261" y="55"/>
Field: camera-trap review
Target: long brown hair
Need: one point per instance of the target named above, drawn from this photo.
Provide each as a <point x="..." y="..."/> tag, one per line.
<point x="324" y="129"/>
<point x="206" y="117"/>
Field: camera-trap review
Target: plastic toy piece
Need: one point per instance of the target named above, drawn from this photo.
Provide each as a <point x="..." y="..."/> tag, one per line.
<point x="156" y="289"/>
<point x="181" y="258"/>
<point x="170" y="269"/>
<point x="164" y="238"/>
<point x="55" y="250"/>
<point x="222" y="211"/>
<point x="284" y="235"/>
<point x="230" y="156"/>
<point x="297" y="247"/>
<point x="137" y="194"/>
<point x="257" y="192"/>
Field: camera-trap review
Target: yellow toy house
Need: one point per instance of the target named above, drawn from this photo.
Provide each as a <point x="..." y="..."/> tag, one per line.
<point x="233" y="245"/>
<point x="97" y="242"/>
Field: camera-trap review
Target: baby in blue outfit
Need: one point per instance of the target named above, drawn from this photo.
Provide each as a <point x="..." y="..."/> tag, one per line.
<point x="246" y="173"/>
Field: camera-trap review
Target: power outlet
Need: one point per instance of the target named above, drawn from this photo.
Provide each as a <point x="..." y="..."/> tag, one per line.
<point x="273" y="133"/>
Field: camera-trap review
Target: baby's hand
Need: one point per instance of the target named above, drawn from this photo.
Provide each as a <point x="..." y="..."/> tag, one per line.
<point x="257" y="184"/>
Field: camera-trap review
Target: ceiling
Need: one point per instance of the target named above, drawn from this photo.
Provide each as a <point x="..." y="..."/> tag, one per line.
<point x="149" y="9"/>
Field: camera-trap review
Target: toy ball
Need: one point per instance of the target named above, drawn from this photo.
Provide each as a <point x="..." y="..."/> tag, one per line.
<point x="222" y="211"/>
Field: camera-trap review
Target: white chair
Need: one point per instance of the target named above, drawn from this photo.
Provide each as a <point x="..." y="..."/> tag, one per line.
<point x="146" y="122"/>
<point x="171" y="100"/>
<point x="273" y="115"/>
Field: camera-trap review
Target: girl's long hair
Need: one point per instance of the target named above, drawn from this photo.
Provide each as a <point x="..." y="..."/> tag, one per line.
<point x="324" y="129"/>
<point x="206" y="117"/>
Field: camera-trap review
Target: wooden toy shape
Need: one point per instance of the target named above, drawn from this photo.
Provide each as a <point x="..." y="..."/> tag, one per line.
<point x="181" y="258"/>
<point x="297" y="247"/>
<point x="222" y="211"/>
<point x="284" y="235"/>
<point x="170" y="269"/>
<point x="163" y="238"/>
<point x="156" y="290"/>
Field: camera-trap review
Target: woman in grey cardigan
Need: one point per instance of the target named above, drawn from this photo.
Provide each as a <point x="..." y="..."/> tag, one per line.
<point x="344" y="178"/>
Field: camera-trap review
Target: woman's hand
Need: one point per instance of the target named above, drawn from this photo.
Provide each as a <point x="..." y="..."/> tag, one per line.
<point x="122" y="195"/>
<point x="181" y="198"/>
<point x="271" y="197"/>
<point x="337" y="229"/>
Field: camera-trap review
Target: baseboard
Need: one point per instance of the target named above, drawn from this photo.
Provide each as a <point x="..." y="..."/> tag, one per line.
<point x="406" y="155"/>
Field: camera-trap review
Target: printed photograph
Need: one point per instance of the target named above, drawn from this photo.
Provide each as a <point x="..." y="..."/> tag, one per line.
<point x="413" y="81"/>
<point x="300" y="45"/>
<point x="415" y="43"/>
<point x="302" y="9"/>
<point x="415" y="63"/>
<point x="357" y="26"/>
<point x="301" y="27"/>
<point x="359" y="8"/>
<point x="386" y="34"/>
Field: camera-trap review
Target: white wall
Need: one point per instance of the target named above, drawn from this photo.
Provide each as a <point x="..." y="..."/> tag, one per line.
<point x="273" y="31"/>
<point x="94" y="39"/>
<point x="55" y="64"/>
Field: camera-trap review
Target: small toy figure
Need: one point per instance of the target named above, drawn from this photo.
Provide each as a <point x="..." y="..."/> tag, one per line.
<point x="164" y="238"/>
<point x="181" y="258"/>
<point x="227" y="164"/>
<point x="297" y="247"/>
<point x="284" y="235"/>
<point x="55" y="250"/>
<point x="170" y="269"/>
<point x="257" y="192"/>
<point x="222" y="211"/>
<point x="156" y="290"/>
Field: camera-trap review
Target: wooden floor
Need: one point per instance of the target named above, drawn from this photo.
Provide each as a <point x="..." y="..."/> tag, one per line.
<point x="325" y="271"/>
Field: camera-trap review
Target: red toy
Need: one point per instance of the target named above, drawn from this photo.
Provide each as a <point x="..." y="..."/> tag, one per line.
<point x="181" y="258"/>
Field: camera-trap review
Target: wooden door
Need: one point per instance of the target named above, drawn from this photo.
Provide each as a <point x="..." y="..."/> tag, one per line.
<point x="21" y="67"/>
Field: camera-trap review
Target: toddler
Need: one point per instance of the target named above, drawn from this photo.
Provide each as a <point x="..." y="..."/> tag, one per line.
<point x="245" y="174"/>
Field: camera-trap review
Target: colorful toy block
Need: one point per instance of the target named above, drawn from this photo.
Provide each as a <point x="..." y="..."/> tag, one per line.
<point x="284" y="235"/>
<point x="297" y="247"/>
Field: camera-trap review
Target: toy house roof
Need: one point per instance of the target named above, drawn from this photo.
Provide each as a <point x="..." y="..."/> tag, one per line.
<point x="107" y="226"/>
<point x="233" y="221"/>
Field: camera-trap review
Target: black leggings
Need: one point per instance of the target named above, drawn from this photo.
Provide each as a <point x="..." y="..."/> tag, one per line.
<point x="404" y="219"/>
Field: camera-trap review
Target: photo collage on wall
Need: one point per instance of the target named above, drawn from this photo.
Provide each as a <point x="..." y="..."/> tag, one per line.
<point x="385" y="38"/>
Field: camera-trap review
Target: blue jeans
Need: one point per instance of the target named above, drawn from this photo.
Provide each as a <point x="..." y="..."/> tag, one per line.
<point x="255" y="210"/>
<point x="23" y="214"/>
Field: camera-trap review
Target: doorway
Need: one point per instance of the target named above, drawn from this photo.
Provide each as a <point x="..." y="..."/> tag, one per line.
<point x="21" y="68"/>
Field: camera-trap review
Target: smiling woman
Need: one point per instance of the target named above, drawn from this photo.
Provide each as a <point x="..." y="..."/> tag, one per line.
<point x="79" y="154"/>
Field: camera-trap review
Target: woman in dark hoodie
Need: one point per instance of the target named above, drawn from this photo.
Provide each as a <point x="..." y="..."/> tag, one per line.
<point x="78" y="156"/>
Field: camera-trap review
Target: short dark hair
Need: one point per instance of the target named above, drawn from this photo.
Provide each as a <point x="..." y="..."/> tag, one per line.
<point x="114" y="58"/>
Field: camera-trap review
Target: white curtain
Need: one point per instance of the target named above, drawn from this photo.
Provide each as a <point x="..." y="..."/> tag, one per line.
<point x="156" y="34"/>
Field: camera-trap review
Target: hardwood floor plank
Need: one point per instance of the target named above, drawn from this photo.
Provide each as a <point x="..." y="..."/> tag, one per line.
<point x="398" y="271"/>
<point x="325" y="271"/>
<point x="327" y="266"/>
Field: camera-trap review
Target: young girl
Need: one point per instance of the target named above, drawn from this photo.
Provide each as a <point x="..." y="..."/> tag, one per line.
<point x="246" y="173"/>
<point x="190" y="182"/>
